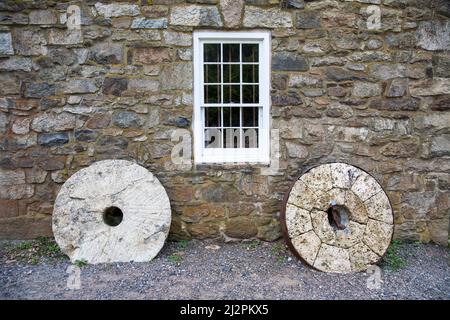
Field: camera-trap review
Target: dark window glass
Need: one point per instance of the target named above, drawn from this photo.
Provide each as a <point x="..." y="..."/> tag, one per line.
<point x="231" y="116"/>
<point x="211" y="52"/>
<point x="250" y="93"/>
<point x="231" y="94"/>
<point x="250" y="73"/>
<point x="212" y="94"/>
<point x="231" y="52"/>
<point x="212" y="73"/>
<point x="250" y="116"/>
<point x="250" y="52"/>
<point x="231" y="73"/>
<point x="212" y="117"/>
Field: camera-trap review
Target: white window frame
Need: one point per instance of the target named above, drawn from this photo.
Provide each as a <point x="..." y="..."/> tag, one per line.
<point x="261" y="154"/>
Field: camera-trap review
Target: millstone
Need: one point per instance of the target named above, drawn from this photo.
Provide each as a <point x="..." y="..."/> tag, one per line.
<point x="337" y="218"/>
<point x="112" y="211"/>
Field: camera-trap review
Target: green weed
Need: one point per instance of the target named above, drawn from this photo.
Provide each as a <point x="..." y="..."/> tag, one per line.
<point x="392" y="259"/>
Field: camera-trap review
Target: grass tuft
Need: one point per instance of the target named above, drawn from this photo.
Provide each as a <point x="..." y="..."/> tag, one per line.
<point x="392" y="259"/>
<point x="175" y="258"/>
<point x="81" y="263"/>
<point x="34" y="251"/>
<point x="182" y="244"/>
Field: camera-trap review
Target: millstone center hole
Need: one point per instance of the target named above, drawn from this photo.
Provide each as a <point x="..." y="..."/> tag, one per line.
<point x="338" y="217"/>
<point x="112" y="216"/>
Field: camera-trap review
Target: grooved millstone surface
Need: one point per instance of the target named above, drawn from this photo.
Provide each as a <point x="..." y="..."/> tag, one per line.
<point x="78" y="223"/>
<point x="311" y="236"/>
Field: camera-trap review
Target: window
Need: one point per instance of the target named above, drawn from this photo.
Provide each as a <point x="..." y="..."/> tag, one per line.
<point x="231" y="97"/>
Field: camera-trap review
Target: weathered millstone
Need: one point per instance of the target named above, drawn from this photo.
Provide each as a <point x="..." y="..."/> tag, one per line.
<point x="307" y="245"/>
<point x="318" y="178"/>
<point x="298" y="220"/>
<point x="331" y="258"/>
<point x="337" y="218"/>
<point x="304" y="197"/>
<point x="112" y="211"/>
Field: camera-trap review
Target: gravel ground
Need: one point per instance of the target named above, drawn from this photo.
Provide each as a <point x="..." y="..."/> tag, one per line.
<point x="216" y="270"/>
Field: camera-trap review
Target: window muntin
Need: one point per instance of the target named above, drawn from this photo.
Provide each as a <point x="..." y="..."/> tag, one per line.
<point x="231" y="106"/>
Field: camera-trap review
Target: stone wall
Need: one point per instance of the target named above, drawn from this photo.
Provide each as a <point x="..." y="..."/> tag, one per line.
<point x="118" y="87"/>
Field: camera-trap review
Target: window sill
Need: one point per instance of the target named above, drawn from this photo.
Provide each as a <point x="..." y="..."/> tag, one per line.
<point x="245" y="166"/>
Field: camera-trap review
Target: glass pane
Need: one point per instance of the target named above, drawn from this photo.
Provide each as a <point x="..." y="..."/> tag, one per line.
<point x="213" y="138"/>
<point x="212" y="73"/>
<point x="250" y="138"/>
<point x="231" y="73"/>
<point x="250" y="116"/>
<point x="250" y="52"/>
<point x="250" y="73"/>
<point x="231" y="94"/>
<point x="211" y="52"/>
<point x="231" y="138"/>
<point x="212" y="94"/>
<point x="212" y="117"/>
<point x="250" y="93"/>
<point x="231" y="117"/>
<point x="231" y="52"/>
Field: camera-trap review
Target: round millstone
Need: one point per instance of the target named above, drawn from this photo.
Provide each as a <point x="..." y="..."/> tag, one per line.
<point x="112" y="211"/>
<point x="337" y="218"/>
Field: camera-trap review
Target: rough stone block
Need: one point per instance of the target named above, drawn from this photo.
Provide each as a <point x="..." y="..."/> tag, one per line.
<point x="65" y="37"/>
<point x="177" y="76"/>
<point x="49" y="122"/>
<point x="45" y="17"/>
<point x="397" y="88"/>
<point x="366" y="89"/>
<point x="15" y="192"/>
<point x="53" y="139"/>
<point x="11" y="177"/>
<point x="240" y="228"/>
<point x="287" y="61"/>
<point x="440" y="146"/>
<point x="6" y="47"/>
<point x="127" y="119"/>
<point x="177" y="38"/>
<point x="114" y="86"/>
<point x="117" y="9"/>
<point x="195" y="15"/>
<point x="153" y="55"/>
<point x="29" y="42"/>
<point x="17" y="64"/>
<point x="433" y="35"/>
<point x="267" y="18"/>
<point x="307" y="20"/>
<point x="232" y="12"/>
<point x="142" y="23"/>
